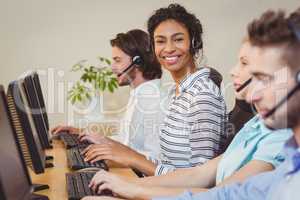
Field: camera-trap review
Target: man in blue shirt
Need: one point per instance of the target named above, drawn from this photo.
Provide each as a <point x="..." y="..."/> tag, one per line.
<point x="276" y="75"/>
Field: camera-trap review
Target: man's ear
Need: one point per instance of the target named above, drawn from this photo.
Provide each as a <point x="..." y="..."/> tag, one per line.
<point x="137" y="69"/>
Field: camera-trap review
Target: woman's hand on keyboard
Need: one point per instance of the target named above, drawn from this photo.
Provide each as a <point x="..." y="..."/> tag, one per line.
<point x="92" y="137"/>
<point x="103" y="180"/>
<point x="63" y="128"/>
<point x="100" y="198"/>
<point x="110" y="150"/>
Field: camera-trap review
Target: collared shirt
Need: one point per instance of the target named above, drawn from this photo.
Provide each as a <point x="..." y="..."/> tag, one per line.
<point x="139" y="127"/>
<point x="288" y="187"/>
<point x="194" y="124"/>
<point x="237" y="118"/>
<point x="281" y="183"/>
<point x="253" y="142"/>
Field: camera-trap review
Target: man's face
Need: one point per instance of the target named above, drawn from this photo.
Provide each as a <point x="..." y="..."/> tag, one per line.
<point x="120" y="62"/>
<point x="272" y="80"/>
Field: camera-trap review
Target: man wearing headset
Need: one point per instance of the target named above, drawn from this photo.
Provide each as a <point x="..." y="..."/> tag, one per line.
<point x="134" y="65"/>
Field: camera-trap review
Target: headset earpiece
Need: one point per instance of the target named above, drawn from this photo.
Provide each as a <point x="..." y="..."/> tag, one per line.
<point x="286" y="98"/>
<point x="137" y="61"/>
<point x="298" y="78"/>
<point x="195" y="45"/>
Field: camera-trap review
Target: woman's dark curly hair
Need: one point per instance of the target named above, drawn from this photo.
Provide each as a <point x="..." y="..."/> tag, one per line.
<point x="137" y="43"/>
<point x="178" y="13"/>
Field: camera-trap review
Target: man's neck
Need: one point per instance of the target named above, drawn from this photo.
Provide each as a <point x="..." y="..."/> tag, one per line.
<point x="297" y="134"/>
<point x="138" y="80"/>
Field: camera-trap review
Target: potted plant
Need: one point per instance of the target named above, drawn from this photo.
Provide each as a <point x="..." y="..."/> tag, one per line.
<point x="94" y="79"/>
<point x="86" y="95"/>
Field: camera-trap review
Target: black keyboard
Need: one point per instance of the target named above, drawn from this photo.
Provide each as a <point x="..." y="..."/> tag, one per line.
<point x="78" y="186"/>
<point x="71" y="140"/>
<point x="76" y="162"/>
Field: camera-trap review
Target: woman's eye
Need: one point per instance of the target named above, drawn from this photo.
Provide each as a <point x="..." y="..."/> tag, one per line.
<point x="159" y="41"/>
<point x="178" y="39"/>
<point x="244" y="63"/>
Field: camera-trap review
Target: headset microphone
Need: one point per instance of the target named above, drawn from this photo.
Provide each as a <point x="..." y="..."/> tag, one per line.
<point x="136" y="60"/>
<point x="244" y="85"/>
<point x="289" y="95"/>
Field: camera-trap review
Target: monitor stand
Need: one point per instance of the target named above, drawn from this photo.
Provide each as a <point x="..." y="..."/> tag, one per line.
<point x="38" y="197"/>
<point x="49" y="147"/>
<point x="39" y="187"/>
<point x="49" y="157"/>
<point x="49" y="165"/>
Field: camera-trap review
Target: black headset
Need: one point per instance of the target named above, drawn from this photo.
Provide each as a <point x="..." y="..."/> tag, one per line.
<point x="286" y="98"/>
<point x="195" y="44"/>
<point x="136" y="61"/>
<point x="244" y="85"/>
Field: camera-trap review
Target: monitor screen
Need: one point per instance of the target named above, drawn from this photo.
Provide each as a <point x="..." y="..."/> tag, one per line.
<point x="15" y="181"/>
<point x="40" y="95"/>
<point x="23" y="122"/>
<point x="36" y="111"/>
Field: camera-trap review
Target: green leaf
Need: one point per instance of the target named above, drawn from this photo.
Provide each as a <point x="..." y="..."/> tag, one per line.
<point x="109" y="73"/>
<point x="78" y="66"/>
<point x="84" y="77"/>
<point x="88" y="95"/>
<point x="89" y="78"/>
<point x="110" y="87"/>
<point x="73" y="100"/>
<point x="79" y="97"/>
<point x="102" y="84"/>
<point x="101" y="78"/>
<point x="114" y="83"/>
<point x="101" y="59"/>
<point x="107" y="61"/>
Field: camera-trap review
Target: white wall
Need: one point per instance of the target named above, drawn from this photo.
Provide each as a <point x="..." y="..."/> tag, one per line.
<point x="55" y="34"/>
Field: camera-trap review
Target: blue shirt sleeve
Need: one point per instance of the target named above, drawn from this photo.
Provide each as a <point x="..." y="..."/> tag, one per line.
<point x="255" y="188"/>
<point x="270" y="148"/>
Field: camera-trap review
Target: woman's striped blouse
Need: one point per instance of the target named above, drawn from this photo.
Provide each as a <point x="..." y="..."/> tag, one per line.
<point x="194" y="126"/>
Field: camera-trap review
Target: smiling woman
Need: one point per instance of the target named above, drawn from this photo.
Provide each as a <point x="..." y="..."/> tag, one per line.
<point x="193" y="128"/>
<point x="172" y="45"/>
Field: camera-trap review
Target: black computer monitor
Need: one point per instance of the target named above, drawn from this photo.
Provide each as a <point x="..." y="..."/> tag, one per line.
<point x="36" y="111"/>
<point x="1" y="192"/>
<point x="38" y="88"/>
<point x="26" y="132"/>
<point x="15" y="182"/>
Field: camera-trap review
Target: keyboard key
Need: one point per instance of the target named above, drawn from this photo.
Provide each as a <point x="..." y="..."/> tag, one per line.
<point x="76" y="160"/>
<point x="77" y="186"/>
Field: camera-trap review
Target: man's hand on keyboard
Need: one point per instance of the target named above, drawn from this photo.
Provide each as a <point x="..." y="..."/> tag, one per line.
<point x="62" y="128"/>
<point x="110" y="150"/>
<point x="103" y="180"/>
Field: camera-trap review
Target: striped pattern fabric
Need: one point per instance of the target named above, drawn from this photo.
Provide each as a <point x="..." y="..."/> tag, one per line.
<point x="194" y="124"/>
